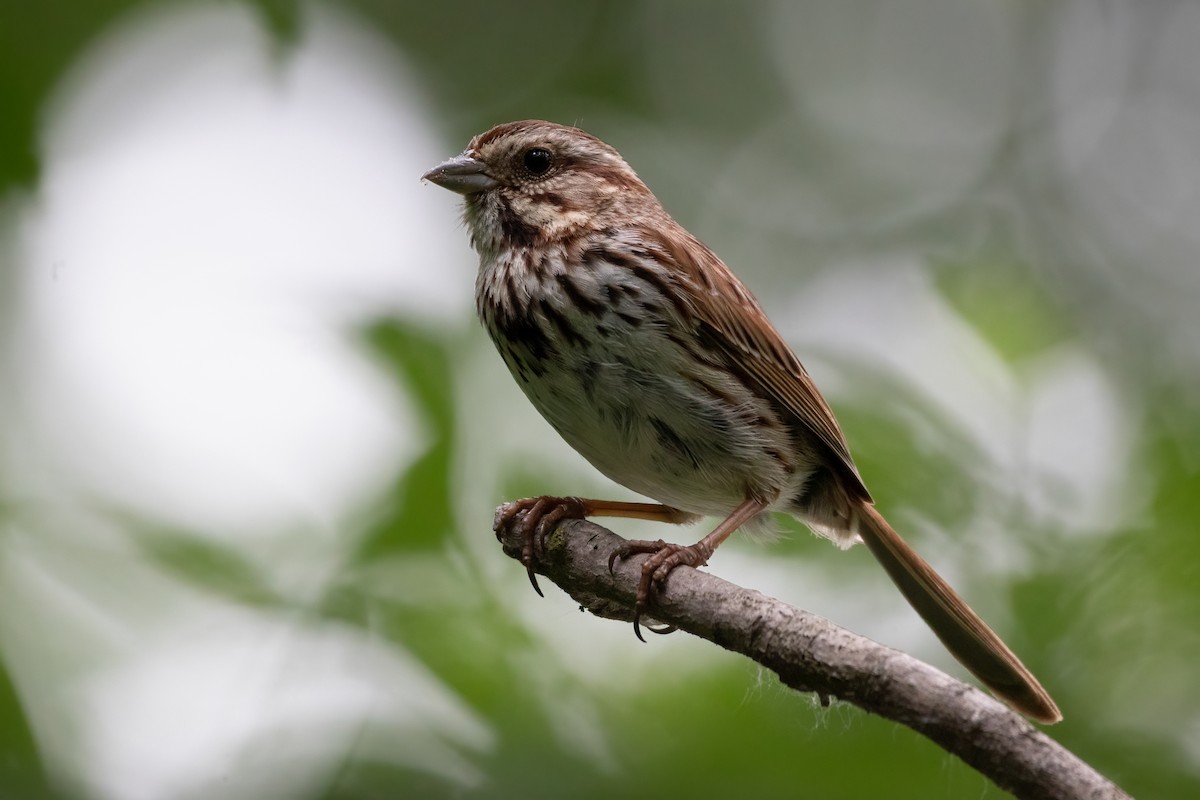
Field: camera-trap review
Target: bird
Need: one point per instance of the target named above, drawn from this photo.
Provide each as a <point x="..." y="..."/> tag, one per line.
<point x="645" y="352"/>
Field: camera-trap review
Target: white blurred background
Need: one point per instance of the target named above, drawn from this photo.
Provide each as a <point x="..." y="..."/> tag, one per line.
<point x="251" y="436"/>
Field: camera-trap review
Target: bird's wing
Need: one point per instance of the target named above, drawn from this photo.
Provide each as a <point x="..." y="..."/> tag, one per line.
<point x="732" y="322"/>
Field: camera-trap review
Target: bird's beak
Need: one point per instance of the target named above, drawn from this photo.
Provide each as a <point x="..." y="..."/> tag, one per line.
<point x="463" y="174"/>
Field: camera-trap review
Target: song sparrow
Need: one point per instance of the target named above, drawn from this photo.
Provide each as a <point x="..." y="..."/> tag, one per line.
<point x="653" y="361"/>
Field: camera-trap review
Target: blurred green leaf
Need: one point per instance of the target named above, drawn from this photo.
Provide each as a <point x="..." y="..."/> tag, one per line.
<point x="1002" y="304"/>
<point x="282" y="18"/>
<point x="418" y="511"/>
<point x="38" y="43"/>
<point x="205" y="563"/>
<point x="21" y="772"/>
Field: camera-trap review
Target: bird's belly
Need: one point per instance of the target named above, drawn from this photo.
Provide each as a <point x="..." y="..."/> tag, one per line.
<point x="645" y="414"/>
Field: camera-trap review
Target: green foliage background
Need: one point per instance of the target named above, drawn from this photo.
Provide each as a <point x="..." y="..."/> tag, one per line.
<point x="1108" y="621"/>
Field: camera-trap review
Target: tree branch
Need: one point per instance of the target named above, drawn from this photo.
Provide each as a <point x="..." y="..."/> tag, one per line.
<point x="811" y="654"/>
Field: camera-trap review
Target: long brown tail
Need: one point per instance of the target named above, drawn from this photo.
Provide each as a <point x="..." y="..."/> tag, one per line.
<point x="966" y="636"/>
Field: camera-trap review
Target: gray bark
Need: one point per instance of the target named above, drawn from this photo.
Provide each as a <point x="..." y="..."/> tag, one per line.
<point x="811" y="654"/>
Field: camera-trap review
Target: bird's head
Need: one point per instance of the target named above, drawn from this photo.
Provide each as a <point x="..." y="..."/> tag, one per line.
<point x="534" y="182"/>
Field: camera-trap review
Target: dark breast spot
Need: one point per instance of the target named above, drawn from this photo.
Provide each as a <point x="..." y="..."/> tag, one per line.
<point x="722" y="397"/>
<point x="517" y="364"/>
<point x="670" y="440"/>
<point x="578" y="296"/>
<point x="561" y="325"/>
<point x="661" y="287"/>
<point x="519" y="333"/>
<point x="602" y="254"/>
<point x="586" y="371"/>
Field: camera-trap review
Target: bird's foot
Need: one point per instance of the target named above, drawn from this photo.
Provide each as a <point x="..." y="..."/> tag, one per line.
<point x="533" y="518"/>
<point x="664" y="557"/>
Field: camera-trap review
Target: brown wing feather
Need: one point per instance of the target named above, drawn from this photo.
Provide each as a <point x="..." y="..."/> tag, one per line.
<point x="754" y="347"/>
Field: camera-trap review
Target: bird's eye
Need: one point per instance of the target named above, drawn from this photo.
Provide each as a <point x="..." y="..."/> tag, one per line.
<point x="537" y="160"/>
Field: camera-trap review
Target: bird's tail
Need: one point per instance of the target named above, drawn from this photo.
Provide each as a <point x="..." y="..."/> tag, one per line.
<point x="966" y="636"/>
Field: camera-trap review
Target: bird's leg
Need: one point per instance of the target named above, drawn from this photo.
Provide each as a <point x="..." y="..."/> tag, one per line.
<point x="666" y="556"/>
<point x="533" y="518"/>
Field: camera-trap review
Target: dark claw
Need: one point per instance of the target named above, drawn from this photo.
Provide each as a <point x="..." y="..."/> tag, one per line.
<point x="533" y="580"/>
<point x="527" y="527"/>
<point x="664" y="558"/>
<point x="637" y="627"/>
<point x="533" y="518"/>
